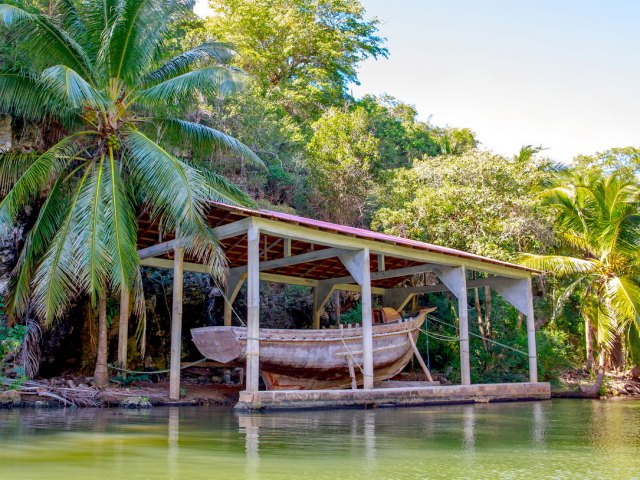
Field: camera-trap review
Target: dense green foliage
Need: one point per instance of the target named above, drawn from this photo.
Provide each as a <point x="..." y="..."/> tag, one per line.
<point x="132" y="106"/>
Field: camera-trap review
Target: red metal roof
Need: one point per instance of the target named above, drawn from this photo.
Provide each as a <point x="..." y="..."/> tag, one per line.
<point x="369" y="234"/>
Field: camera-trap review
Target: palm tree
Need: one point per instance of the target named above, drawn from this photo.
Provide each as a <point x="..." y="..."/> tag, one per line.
<point x="95" y="71"/>
<point x="600" y="227"/>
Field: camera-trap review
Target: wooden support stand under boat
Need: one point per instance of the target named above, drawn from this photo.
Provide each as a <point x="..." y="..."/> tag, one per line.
<point x="319" y="359"/>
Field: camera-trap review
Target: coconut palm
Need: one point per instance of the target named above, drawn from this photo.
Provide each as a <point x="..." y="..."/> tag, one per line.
<point x="95" y="71"/>
<point x="600" y="226"/>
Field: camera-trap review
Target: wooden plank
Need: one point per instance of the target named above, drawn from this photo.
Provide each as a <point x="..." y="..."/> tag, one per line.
<point x="480" y="282"/>
<point x="345" y="287"/>
<point x="299" y="232"/>
<point x="321" y="294"/>
<point x="176" y="325"/>
<point x="198" y="268"/>
<point x="225" y="231"/>
<point x="312" y="256"/>
<point x="419" y="357"/>
<point x="386" y="274"/>
<point x="234" y="283"/>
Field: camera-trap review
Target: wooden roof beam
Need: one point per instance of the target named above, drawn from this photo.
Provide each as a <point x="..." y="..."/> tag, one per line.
<point x="297" y="259"/>
<point x="224" y="231"/>
<point x="398" y="272"/>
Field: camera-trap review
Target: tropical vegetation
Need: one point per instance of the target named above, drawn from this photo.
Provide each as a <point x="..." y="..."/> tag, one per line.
<point x="97" y="74"/>
<point x="117" y="109"/>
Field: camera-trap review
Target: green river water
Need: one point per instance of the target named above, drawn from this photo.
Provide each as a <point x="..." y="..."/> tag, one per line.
<point x="555" y="439"/>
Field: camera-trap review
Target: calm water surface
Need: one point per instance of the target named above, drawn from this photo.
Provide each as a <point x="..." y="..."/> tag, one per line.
<point x="554" y="439"/>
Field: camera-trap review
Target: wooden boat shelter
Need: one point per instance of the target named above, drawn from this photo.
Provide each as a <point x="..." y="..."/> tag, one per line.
<point x="269" y="246"/>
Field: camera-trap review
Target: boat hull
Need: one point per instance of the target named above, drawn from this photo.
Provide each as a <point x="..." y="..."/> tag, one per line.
<point x="313" y="359"/>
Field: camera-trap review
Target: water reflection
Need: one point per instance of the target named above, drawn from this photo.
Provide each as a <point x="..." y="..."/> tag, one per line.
<point x="561" y="439"/>
<point x="249" y="425"/>
<point x="173" y="442"/>
<point x="468" y="426"/>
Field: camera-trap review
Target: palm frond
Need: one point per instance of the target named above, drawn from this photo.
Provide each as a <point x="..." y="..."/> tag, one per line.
<point x="559" y="264"/>
<point x="203" y="141"/>
<point x="623" y="297"/>
<point x="36" y="243"/>
<point x="121" y="228"/>
<point x="176" y="195"/>
<point x="98" y="18"/>
<point x="218" y="52"/>
<point x="225" y="191"/>
<point x="207" y="81"/>
<point x="13" y="164"/>
<point x="55" y="282"/>
<point x="68" y="84"/>
<point x="172" y="188"/>
<point x="137" y="35"/>
<point x="43" y="42"/>
<point x="26" y="97"/>
<point x="38" y="176"/>
<point x="70" y="18"/>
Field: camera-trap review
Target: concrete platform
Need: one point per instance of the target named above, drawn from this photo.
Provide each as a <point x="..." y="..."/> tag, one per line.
<point x="392" y="397"/>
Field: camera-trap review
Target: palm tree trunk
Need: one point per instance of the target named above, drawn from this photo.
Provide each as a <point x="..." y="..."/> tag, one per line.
<point x="594" y="390"/>
<point x="487" y="310"/>
<point x="480" y="320"/>
<point x="616" y="357"/>
<point x="101" y="374"/>
<point x="588" y="333"/>
<point x="123" y="328"/>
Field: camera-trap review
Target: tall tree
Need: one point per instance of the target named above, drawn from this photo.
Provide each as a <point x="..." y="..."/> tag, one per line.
<point x="305" y="52"/>
<point x="477" y="201"/>
<point x="340" y="157"/>
<point x="599" y="224"/>
<point x="93" y="70"/>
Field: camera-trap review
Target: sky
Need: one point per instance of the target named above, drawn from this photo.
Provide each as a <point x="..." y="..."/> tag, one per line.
<point x="563" y="74"/>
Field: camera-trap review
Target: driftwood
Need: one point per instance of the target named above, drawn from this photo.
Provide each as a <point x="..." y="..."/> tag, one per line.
<point x="79" y="396"/>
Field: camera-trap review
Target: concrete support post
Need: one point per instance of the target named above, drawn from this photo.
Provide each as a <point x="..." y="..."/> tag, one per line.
<point x="531" y="338"/>
<point x="455" y="279"/>
<point x="253" y="309"/>
<point x="367" y="322"/>
<point x="176" y="324"/>
<point x="123" y="327"/>
<point x="519" y="293"/>
<point x="463" y="318"/>
<point x="359" y="266"/>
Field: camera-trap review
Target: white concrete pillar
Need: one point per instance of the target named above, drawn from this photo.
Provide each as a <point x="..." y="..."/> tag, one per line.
<point x="176" y="324"/>
<point x="463" y="318"/>
<point x="359" y="266"/>
<point x="367" y="321"/>
<point x="253" y="309"/>
<point x="455" y="279"/>
<point x="519" y="293"/>
<point x="531" y="336"/>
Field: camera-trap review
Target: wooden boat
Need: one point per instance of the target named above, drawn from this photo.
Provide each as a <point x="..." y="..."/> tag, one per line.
<point x="317" y="359"/>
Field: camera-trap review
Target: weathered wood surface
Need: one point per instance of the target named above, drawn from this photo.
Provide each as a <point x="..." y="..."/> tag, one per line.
<point x="314" y="359"/>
